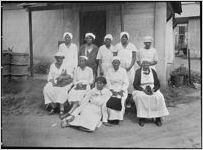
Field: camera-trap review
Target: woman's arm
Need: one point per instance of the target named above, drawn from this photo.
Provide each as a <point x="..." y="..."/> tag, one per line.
<point x="136" y="83"/>
<point x="132" y="61"/>
<point x="125" y="81"/>
<point x="156" y="81"/>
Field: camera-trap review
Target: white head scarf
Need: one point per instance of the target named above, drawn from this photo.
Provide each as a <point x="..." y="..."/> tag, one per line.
<point x="90" y="34"/>
<point x="108" y="36"/>
<point x="68" y="33"/>
<point x="148" y="39"/>
<point x="124" y="33"/>
<point x="84" y="57"/>
<point x="116" y="58"/>
<point x="59" y="54"/>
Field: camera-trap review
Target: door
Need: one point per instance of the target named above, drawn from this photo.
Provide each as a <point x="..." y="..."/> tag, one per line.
<point x="93" y="22"/>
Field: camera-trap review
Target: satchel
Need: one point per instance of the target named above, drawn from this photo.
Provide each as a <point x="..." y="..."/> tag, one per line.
<point x="114" y="103"/>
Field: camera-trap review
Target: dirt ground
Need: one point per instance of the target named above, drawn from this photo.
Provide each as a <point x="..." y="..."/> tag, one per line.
<point x="26" y="124"/>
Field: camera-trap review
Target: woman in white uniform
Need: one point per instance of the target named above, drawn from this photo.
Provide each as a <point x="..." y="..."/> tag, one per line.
<point x="149" y="100"/>
<point x="148" y="53"/>
<point x="127" y="53"/>
<point x="82" y="80"/>
<point x="117" y="82"/>
<point x="59" y="83"/>
<point x="105" y="55"/>
<point x="70" y="51"/>
<point x="90" y="113"/>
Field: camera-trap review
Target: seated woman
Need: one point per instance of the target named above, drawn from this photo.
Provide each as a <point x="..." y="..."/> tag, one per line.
<point x="59" y="83"/>
<point x="149" y="100"/>
<point x="89" y="114"/>
<point x="82" y="79"/>
<point x="117" y="82"/>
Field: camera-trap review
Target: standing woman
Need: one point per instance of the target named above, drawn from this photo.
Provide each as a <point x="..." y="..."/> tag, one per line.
<point x="59" y="83"/>
<point x="127" y="53"/>
<point x="148" y="53"/>
<point x="70" y="51"/>
<point x="117" y="82"/>
<point x="105" y="55"/>
<point x="90" y="50"/>
<point x="82" y="80"/>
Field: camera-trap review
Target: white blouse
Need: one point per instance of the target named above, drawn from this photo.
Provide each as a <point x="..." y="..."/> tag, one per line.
<point x="83" y="76"/>
<point x="125" y="53"/>
<point x="71" y="54"/>
<point x="55" y="72"/>
<point x="117" y="80"/>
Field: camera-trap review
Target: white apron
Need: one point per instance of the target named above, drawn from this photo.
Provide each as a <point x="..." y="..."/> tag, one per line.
<point x="149" y="106"/>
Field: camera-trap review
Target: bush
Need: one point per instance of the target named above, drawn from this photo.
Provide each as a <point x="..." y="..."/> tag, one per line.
<point x="41" y="67"/>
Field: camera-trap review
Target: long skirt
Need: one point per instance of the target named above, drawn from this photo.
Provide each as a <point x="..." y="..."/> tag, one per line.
<point x="150" y="106"/>
<point x="89" y="117"/>
<point x="115" y="114"/>
<point x="77" y="95"/>
<point x="56" y="94"/>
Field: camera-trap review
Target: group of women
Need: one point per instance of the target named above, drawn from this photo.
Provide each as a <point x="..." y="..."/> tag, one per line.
<point x="97" y="81"/>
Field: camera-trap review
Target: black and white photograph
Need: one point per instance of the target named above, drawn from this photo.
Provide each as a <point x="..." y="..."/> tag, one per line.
<point x="101" y="74"/>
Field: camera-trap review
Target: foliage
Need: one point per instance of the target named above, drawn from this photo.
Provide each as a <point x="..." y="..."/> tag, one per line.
<point x="41" y="67"/>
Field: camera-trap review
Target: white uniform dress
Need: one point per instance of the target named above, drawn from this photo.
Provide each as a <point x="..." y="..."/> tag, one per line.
<point x="148" y="55"/>
<point x="125" y="55"/>
<point x="71" y="55"/>
<point x="89" y="114"/>
<point x="81" y="76"/>
<point x="105" y="55"/>
<point x="149" y="106"/>
<point x="53" y="93"/>
<point x="117" y="80"/>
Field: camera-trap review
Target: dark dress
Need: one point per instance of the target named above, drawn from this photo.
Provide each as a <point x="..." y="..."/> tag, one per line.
<point x="92" y="61"/>
<point x="137" y="80"/>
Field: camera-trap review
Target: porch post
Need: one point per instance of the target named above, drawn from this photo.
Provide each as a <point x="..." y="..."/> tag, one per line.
<point x="160" y="41"/>
<point x="121" y="16"/>
<point x="30" y="41"/>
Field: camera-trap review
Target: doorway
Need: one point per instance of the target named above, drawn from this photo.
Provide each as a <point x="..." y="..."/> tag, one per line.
<point x="94" y="22"/>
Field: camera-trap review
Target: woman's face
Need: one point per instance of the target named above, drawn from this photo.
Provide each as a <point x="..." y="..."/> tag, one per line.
<point x="145" y="65"/>
<point x="67" y="39"/>
<point x="82" y="62"/>
<point x="147" y="45"/>
<point x="59" y="59"/>
<point x="107" y="42"/>
<point x="89" y="40"/>
<point x="100" y="85"/>
<point x="124" y="39"/>
<point x="116" y="64"/>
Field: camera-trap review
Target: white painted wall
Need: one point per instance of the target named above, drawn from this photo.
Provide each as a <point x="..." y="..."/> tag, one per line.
<point x="15" y="30"/>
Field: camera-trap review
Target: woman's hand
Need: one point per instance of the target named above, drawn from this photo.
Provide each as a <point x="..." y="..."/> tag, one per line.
<point x="113" y="92"/>
<point x="128" y="69"/>
<point x="121" y="93"/>
<point x="146" y="92"/>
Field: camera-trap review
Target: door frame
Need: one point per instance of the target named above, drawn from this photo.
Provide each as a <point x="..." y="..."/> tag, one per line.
<point x="90" y="10"/>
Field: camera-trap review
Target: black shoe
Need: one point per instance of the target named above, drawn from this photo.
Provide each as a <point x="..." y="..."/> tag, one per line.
<point x="51" y="112"/>
<point x="158" y="122"/>
<point x="141" y="122"/>
<point x="114" y="122"/>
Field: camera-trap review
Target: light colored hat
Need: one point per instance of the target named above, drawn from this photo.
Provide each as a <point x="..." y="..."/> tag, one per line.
<point x="148" y="39"/>
<point x="124" y="33"/>
<point x="59" y="54"/>
<point x="68" y="33"/>
<point x="108" y="36"/>
<point x="116" y="58"/>
<point x="90" y="34"/>
<point x="84" y="57"/>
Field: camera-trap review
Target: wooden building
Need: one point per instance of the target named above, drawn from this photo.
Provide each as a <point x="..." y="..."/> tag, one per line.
<point x="36" y="28"/>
